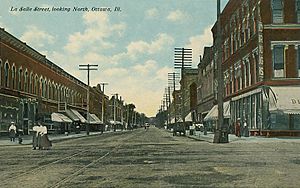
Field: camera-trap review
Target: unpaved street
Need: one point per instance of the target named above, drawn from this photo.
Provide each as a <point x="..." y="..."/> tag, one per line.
<point x="151" y="158"/>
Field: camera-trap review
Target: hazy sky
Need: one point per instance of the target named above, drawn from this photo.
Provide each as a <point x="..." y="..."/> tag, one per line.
<point x="134" y="47"/>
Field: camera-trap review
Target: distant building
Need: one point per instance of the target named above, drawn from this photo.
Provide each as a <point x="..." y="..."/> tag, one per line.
<point x="188" y="88"/>
<point x="206" y="84"/>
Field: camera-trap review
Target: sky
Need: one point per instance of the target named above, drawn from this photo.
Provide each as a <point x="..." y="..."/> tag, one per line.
<point x="133" y="44"/>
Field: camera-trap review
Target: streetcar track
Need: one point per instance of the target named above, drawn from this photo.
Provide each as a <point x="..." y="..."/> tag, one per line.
<point x="71" y="176"/>
<point x="36" y="168"/>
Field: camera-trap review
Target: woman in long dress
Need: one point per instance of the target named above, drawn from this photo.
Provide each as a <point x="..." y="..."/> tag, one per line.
<point x="35" y="137"/>
<point x="45" y="143"/>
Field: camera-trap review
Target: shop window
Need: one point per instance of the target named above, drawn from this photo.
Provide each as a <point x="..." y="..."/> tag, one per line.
<point x="278" y="61"/>
<point x="277" y="11"/>
<point x="298" y="60"/>
<point x="298" y="10"/>
<point x="0" y="72"/>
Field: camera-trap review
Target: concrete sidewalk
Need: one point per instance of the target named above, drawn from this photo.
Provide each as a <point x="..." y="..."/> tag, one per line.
<point x="232" y="138"/>
<point x="27" y="139"/>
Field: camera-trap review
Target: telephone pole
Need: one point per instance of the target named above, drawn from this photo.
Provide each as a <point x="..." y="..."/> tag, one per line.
<point x="103" y="84"/>
<point x="102" y="117"/>
<point x="220" y="135"/>
<point x="182" y="61"/>
<point x="88" y="67"/>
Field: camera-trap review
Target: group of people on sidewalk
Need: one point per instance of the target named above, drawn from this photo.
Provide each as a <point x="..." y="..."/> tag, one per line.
<point x="241" y="130"/>
<point x="40" y="138"/>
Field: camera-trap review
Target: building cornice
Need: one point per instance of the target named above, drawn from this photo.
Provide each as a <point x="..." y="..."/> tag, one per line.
<point x="24" y="48"/>
<point x="281" y="26"/>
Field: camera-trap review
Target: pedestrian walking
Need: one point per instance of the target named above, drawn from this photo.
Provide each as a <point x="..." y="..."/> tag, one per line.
<point x="35" y="135"/>
<point x="45" y="143"/>
<point x="238" y="128"/>
<point x="245" y="129"/>
<point x="12" y="130"/>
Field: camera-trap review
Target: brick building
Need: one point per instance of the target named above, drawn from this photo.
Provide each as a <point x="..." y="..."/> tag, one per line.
<point x="32" y="87"/>
<point x="206" y="88"/>
<point x="188" y="88"/>
<point x="261" y="64"/>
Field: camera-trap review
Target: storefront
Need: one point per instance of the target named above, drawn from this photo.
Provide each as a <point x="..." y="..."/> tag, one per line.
<point x="18" y="110"/>
<point x="269" y="110"/>
<point x="61" y="123"/>
<point x="210" y="120"/>
<point x="284" y="108"/>
<point x="248" y="107"/>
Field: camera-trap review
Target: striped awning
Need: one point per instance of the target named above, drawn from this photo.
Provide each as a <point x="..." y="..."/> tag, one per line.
<point x="58" y="117"/>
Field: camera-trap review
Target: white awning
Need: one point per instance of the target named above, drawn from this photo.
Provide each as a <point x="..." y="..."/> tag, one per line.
<point x="285" y="99"/>
<point x="96" y="119"/>
<point x="57" y="117"/>
<point x="213" y="113"/>
<point x="82" y="119"/>
<point x="189" y="118"/>
<point x="71" y="115"/>
<point x="113" y="122"/>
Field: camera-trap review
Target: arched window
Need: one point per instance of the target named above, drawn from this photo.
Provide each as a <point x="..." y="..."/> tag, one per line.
<point x="26" y="81"/>
<point x="53" y="90"/>
<point x="45" y="88"/>
<point x="6" y="74"/>
<point x="42" y="86"/>
<point x="0" y="72"/>
<point x="13" y="76"/>
<point x="57" y="92"/>
<point x="20" y="79"/>
<point x="49" y="90"/>
<point x="36" y="85"/>
<point x="31" y="82"/>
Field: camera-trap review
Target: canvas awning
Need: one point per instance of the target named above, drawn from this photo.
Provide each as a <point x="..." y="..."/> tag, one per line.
<point x="58" y="117"/>
<point x="82" y="119"/>
<point x="113" y="122"/>
<point x="285" y="99"/>
<point x="96" y="119"/>
<point x="213" y="113"/>
<point x="189" y="118"/>
<point x="72" y="116"/>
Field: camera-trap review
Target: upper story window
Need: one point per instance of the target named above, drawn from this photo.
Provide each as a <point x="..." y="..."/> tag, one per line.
<point x="298" y="10"/>
<point x="20" y="79"/>
<point x="277" y="11"/>
<point x="298" y="60"/>
<point x="6" y="75"/>
<point x="278" y="61"/>
<point x="0" y="72"/>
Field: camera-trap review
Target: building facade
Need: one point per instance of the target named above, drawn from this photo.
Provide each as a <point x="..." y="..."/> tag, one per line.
<point x="261" y="64"/>
<point x="32" y="87"/>
<point x="206" y="98"/>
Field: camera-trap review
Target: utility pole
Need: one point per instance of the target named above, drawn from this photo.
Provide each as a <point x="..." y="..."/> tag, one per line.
<point x="114" y="102"/>
<point x="103" y="84"/>
<point x="88" y="67"/>
<point x="172" y="77"/>
<point x="183" y="61"/>
<point x="220" y="135"/>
